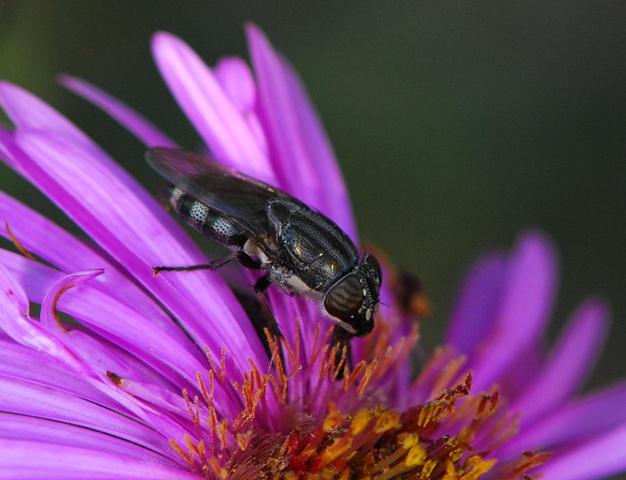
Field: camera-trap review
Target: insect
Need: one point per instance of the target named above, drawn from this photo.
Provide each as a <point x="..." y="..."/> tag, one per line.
<point x="299" y="249"/>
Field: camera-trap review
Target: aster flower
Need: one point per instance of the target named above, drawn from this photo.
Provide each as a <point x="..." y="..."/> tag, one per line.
<point x="130" y="376"/>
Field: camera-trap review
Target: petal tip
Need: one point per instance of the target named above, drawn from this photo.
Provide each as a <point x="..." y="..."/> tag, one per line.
<point x="66" y="79"/>
<point x="163" y="40"/>
<point x="255" y="35"/>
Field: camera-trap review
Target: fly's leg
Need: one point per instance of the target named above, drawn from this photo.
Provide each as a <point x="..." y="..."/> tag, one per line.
<point x="243" y="258"/>
<point x="260" y="287"/>
<point x="341" y="338"/>
<point x="270" y="323"/>
<point x="214" y="265"/>
<point x="247" y="261"/>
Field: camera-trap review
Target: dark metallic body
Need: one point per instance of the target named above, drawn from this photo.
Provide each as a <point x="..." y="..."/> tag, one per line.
<point x="301" y="250"/>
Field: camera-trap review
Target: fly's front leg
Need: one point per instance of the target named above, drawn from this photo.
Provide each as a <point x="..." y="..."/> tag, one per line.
<point x="214" y="265"/>
<point x="243" y="258"/>
<point x="260" y="287"/>
<point x="341" y="338"/>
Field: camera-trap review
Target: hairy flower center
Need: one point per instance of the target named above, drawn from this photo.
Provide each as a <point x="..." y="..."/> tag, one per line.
<point x="346" y="428"/>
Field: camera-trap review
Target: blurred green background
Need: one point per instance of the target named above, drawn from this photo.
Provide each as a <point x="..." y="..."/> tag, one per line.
<point x="457" y="124"/>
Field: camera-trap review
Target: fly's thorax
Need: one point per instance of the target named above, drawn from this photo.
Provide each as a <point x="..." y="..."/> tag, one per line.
<point x="316" y="249"/>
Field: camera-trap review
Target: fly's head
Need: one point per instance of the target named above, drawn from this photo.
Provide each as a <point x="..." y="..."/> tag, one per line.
<point x="353" y="299"/>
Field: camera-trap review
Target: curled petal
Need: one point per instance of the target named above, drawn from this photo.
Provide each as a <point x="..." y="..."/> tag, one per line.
<point x="47" y="240"/>
<point x="16" y="323"/>
<point x="49" y="305"/>
<point x="105" y="315"/>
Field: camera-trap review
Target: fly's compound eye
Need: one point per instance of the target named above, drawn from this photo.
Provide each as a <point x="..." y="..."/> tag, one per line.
<point x="372" y="263"/>
<point x="345" y="299"/>
<point x="376" y="272"/>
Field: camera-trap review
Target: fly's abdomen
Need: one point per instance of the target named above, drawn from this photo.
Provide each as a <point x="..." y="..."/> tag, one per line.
<point x="200" y="217"/>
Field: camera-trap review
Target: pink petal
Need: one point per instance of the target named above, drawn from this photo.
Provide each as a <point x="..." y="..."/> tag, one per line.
<point x="301" y="155"/>
<point x="16" y="323"/>
<point x="601" y="457"/>
<point x="320" y="152"/>
<point x="591" y="415"/>
<point x="237" y="82"/>
<point x="144" y="130"/>
<point x="20" y="427"/>
<point x="476" y="303"/>
<point x="65" y="283"/>
<point x="118" y="214"/>
<point x="135" y="333"/>
<point x="19" y="362"/>
<point x="208" y="108"/>
<point x="50" y="242"/>
<point x="522" y="314"/>
<point x="31" y="460"/>
<point x="28" y="112"/>
<point x="28" y="399"/>
<point x="569" y="363"/>
<point x="6" y="136"/>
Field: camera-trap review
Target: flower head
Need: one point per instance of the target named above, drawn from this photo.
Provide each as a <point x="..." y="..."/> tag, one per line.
<point x="127" y="375"/>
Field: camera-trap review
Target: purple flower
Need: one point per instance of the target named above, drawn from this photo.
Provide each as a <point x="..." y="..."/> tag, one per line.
<point x="146" y="377"/>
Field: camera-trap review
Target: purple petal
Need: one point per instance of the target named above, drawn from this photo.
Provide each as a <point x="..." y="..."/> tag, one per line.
<point x="15" y="322"/>
<point x="31" y="460"/>
<point x="117" y="213"/>
<point x="5" y="136"/>
<point x="45" y="239"/>
<point x="237" y="82"/>
<point x="30" y="113"/>
<point x="585" y="417"/>
<point x="526" y="304"/>
<point x="601" y="457"/>
<point x="113" y="320"/>
<point x="208" y="108"/>
<point x="19" y="362"/>
<point x="48" y="305"/>
<point x="144" y="130"/>
<point x="570" y="362"/>
<point x="20" y="427"/>
<point x="28" y="399"/>
<point x="301" y="154"/>
<point x="321" y="154"/>
<point x="478" y="298"/>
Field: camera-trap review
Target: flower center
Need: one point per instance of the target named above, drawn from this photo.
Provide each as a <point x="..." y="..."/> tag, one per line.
<point x="349" y="428"/>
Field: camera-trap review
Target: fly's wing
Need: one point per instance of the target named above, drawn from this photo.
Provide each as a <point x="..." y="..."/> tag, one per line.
<point x="239" y="198"/>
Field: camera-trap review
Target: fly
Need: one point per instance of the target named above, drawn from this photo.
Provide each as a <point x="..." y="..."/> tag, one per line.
<point x="300" y="250"/>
